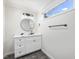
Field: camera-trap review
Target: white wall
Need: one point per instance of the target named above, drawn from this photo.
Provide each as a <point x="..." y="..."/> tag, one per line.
<point x="12" y="18"/>
<point x="10" y="28"/>
<point x="59" y="43"/>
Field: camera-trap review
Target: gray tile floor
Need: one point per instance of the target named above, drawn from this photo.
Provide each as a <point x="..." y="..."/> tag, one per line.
<point x="36" y="55"/>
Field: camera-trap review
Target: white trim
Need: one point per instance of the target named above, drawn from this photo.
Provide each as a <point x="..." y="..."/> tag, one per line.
<point x="50" y="56"/>
<point x="9" y="53"/>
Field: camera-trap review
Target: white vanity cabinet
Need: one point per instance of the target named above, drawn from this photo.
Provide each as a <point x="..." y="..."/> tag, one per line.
<point x="27" y="44"/>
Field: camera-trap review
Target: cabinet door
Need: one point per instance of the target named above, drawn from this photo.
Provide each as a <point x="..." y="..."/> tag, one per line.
<point x="33" y="44"/>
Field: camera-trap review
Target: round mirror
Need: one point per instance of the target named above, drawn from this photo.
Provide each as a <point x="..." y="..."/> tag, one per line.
<point x="27" y="24"/>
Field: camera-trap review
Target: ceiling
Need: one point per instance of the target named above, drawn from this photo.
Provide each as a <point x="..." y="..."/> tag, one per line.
<point x="34" y="5"/>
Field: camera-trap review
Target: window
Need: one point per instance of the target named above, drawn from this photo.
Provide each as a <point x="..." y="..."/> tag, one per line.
<point x="67" y="5"/>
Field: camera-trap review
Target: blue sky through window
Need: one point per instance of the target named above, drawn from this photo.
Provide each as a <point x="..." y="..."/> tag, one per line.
<point x="67" y="5"/>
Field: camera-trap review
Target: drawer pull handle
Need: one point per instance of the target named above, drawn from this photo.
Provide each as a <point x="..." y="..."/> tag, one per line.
<point x="20" y="45"/>
<point x="34" y="40"/>
<point x="20" y="52"/>
<point x="20" y="39"/>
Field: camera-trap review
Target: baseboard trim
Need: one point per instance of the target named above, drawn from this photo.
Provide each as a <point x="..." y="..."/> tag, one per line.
<point x="51" y="57"/>
<point x="28" y="54"/>
<point x="4" y="55"/>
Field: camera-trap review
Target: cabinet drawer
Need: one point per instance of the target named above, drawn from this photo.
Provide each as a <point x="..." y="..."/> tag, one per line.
<point x="19" y="52"/>
<point x="19" y="45"/>
<point x="19" y="40"/>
